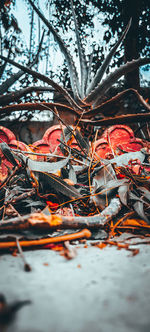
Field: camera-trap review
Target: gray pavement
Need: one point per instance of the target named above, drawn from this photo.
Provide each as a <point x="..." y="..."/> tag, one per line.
<point x="99" y="290"/>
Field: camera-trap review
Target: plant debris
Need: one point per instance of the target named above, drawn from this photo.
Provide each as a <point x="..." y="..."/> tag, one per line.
<point x="77" y="196"/>
<point x="80" y="181"/>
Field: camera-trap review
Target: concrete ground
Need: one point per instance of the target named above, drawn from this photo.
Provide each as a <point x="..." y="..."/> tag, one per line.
<point x="99" y="290"/>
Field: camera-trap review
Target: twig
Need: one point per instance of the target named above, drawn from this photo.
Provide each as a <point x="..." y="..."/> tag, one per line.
<point x="20" y="197"/>
<point x="9" y="177"/>
<point x="85" y="233"/>
<point x="42" y="221"/>
<point x="27" y="267"/>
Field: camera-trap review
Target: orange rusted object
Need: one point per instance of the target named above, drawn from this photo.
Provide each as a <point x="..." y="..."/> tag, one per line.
<point x="115" y="139"/>
<point x="51" y="137"/>
<point x="102" y="149"/>
<point x="18" y="145"/>
<point x="6" y="135"/>
<point x="5" y="165"/>
<point x="41" y="146"/>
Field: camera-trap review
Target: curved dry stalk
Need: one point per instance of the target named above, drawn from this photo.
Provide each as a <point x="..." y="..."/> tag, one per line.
<point x="47" y="80"/>
<point x="99" y="219"/>
<point x="47" y="222"/>
<point x="111" y="103"/>
<point x="15" y="95"/>
<point x="122" y="119"/>
<point x="38" y="106"/>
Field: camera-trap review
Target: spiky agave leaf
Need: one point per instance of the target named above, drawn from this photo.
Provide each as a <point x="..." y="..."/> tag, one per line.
<point x="2" y="68"/>
<point x="71" y="66"/>
<point x="90" y="68"/>
<point x="99" y="91"/>
<point x="102" y="69"/>
<point x="83" y="63"/>
<point x="47" y="80"/>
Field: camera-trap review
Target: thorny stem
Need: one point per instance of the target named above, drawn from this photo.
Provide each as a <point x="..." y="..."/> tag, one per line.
<point x="111" y="103"/>
<point x="128" y="118"/>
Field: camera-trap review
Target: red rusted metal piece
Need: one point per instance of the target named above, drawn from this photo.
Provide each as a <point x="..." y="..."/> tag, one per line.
<point x="51" y="137"/>
<point x="135" y="144"/>
<point x="115" y="140"/>
<point x="118" y="132"/>
<point x="41" y="146"/>
<point x="6" y="135"/>
<point x="5" y="165"/>
<point x="18" y="145"/>
<point x="53" y="134"/>
<point x="102" y="149"/>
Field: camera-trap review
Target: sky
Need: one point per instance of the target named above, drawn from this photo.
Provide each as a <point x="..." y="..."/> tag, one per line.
<point x="56" y="57"/>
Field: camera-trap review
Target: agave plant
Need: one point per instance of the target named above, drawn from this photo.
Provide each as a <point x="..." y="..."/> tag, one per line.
<point x="87" y="91"/>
